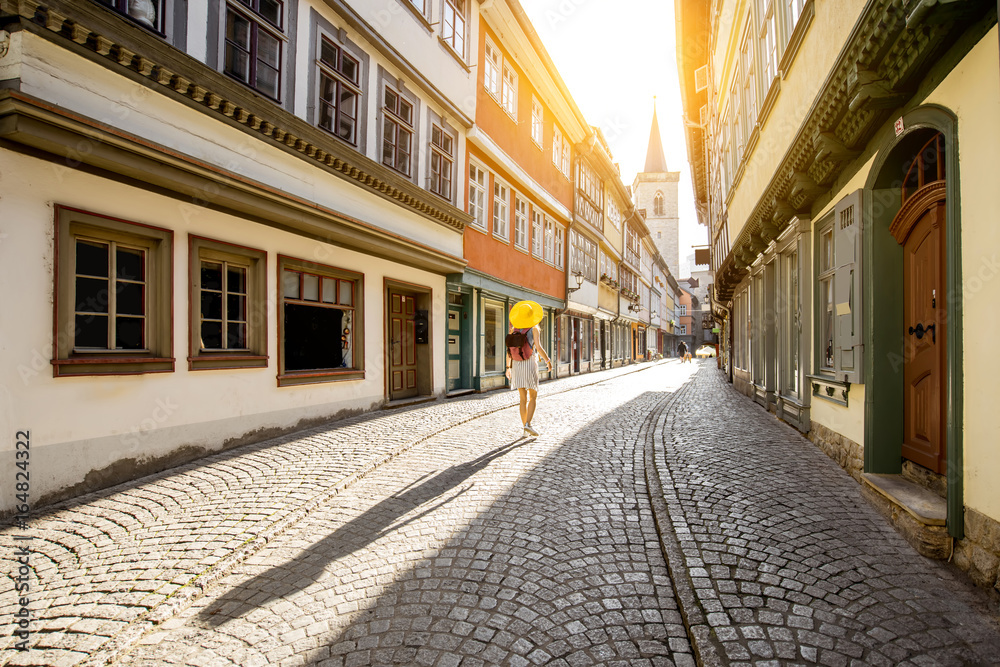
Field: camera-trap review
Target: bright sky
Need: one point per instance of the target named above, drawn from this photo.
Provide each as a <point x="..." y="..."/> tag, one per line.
<point x="614" y="56"/>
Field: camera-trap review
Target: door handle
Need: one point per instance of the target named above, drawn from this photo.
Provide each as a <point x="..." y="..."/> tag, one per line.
<point x="920" y="330"/>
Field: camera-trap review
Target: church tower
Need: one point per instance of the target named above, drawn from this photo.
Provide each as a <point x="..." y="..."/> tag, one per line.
<point x="655" y="191"/>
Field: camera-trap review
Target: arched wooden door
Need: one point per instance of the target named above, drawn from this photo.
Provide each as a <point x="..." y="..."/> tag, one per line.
<point x="920" y="229"/>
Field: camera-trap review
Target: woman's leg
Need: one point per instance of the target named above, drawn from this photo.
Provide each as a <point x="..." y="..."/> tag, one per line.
<point x="530" y="409"/>
<point x="523" y="394"/>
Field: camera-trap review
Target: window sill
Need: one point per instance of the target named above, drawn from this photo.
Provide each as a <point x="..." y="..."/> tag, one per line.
<point x="226" y="361"/>
<point x="117" y="365"/>
<point x="317" y="377"/>
<point x="830" y="389"/>
<point x="454" y="54"/>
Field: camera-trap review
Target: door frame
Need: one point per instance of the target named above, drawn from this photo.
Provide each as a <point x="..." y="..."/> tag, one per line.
<point x="883" y="261"/>
<point x="424" y="297"/>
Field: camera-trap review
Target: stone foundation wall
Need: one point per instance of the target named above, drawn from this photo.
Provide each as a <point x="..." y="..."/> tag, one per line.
<point x="847" y="453"/>
<point x="979" y="553"/>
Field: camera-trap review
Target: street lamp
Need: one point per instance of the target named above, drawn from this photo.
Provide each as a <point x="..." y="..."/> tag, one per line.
<point x="579" y="282"/>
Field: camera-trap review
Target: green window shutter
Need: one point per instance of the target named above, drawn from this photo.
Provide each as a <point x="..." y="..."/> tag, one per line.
<point x="848" y="342"/>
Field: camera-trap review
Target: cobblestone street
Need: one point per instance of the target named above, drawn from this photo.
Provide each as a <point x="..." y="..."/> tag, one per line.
<point x="657" y="508"/>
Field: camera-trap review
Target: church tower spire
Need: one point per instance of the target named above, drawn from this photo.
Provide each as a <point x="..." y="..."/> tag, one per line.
<point x="656" y="163"/>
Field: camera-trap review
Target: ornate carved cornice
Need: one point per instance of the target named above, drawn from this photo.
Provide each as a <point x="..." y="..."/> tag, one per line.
<point x="886" y="56"/>
<point x="131" y="51"/>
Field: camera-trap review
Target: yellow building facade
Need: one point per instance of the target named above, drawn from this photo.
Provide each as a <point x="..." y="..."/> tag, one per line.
<point x="841" y="155"/>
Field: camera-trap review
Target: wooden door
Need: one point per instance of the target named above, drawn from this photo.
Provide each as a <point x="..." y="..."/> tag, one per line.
<point x="402" y="346"/>
<point x="924" y="332"/>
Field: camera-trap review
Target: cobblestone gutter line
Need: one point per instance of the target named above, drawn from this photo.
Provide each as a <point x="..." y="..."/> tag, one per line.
<point x="114" y="563"/>
<point x="670" y="529"/>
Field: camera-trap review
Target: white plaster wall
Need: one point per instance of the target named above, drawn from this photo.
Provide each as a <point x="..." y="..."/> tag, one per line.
<point x="55" y="74"/>
<point x="972" y="92"/>
<point x="79" y="424"/>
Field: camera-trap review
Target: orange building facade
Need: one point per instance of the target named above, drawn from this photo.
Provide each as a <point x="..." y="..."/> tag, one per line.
<point x="519" y="194"/>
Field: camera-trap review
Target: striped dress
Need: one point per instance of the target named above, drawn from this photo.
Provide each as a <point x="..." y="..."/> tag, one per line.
<point x="524" y="374"/>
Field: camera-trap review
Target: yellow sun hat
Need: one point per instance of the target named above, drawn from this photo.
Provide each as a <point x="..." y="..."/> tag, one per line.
<point x="526" y="314"/>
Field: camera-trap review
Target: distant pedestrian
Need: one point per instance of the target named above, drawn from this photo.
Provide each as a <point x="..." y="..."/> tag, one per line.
<point x="682" y="350"/>
<point x="522" y="343"/>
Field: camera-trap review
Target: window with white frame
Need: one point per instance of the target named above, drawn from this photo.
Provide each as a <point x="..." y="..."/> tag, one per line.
<point x="739" y="138"/>
<point x="492" y="68"/>
<point x="339" y="92"/>
<point x="536" y="234"/>
<point x="793" y="12"/>
<point x="549" y="241"/>
<point x="442" y="158"/>
<point x="113" y="296"/>
<point x="560" y="151"/>
<point x="477" y="196"/>
<point x="453" y="25"/>
<point x="560" y="246"/>
<point x="749" y="69"/>
<point x="397" y="131"/>
<point x="584" y="256"/>
<point x="682" y="310"/>
<point x="253" y="43"/>
<point x="509" y="91"/>
<point x="501" y="210"/>
<point x="681" y="330"/>
<point x="769" y="45"/>
<point x="537" y="121"/>
<point x="614" y="213"/>
<point x="520" y="223"/>
<point x="658" y="203"/>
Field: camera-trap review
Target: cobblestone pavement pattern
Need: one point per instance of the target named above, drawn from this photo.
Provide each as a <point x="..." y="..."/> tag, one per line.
<point x="785" y="560"/>
<point x="111" y="565"/>
<point x="438" y="536"/>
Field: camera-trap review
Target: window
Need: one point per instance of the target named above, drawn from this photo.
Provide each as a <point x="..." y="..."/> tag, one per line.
<point x="253" y="44"/>
<point x="794" y="12"/>
<point x="537" y="122"/>
<point x="491" y="70"/>
<point x="549" y="240"/>
<point x="228" y="305"/>
<point x="560" y="246"/>
<point x="477" y="196"/>
<point x="560" y="151"/>
<point x="113" y="296"/>
<point x="509" y="93"/>
<point x="536" y="234"/>
<point x="769" y="46"/>
<point x="397" y="131"/>
<point x="494" y="353"/>
<point x="682" y="310"/>
<point x="339" y="92"/>
<point x="584" y="257"/>
<point x="321" y="323"/>
<point x="453" y="25"/>
<point x="749" y="81"/>
<point x="790" y="324"/>
<point x="520" y="223"/>
<point x="737" y="108"/>
<point x="501" y="210"/>
<point x="614" y="214"/>
<point x="658" y="204"/>
<point x="681" y="330"/>
<point x="148" y="13"/>
<point x="442" y="161"/>
<point x="824" y="279"/>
